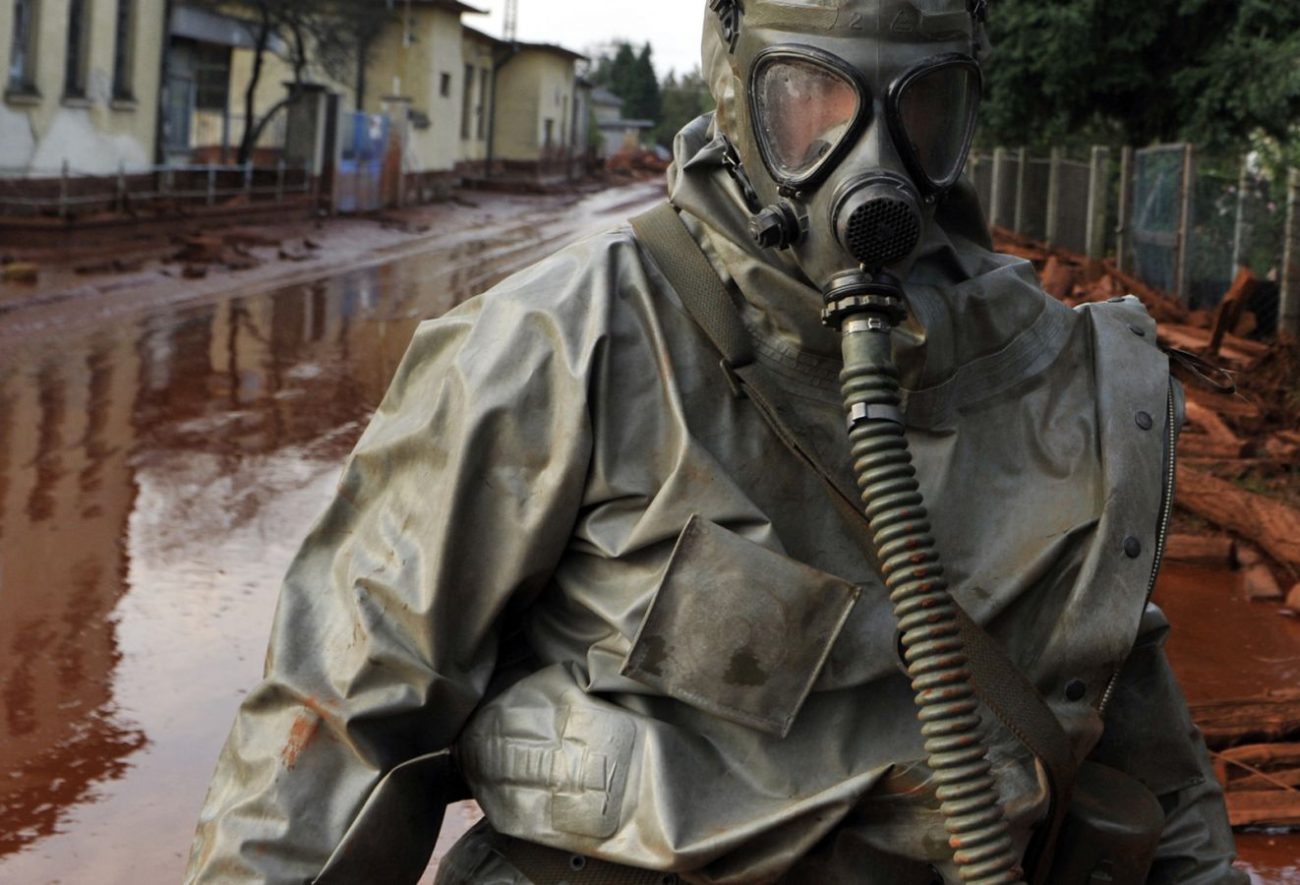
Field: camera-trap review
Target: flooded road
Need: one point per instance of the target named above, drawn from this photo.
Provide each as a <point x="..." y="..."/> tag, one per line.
<point x="1224" y="647"/>
<point x="156" y="476"/>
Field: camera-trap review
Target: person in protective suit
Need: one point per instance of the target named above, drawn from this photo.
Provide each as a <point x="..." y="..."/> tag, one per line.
<point x="602" y="552"/>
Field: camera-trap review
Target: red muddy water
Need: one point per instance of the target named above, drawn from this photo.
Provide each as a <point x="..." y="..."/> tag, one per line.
<point x="156" y="475"/>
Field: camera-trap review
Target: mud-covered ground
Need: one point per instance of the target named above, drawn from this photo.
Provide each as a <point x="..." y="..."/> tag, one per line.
<point x="164" y="445"/>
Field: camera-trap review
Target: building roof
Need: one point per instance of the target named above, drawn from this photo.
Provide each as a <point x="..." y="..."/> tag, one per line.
<point x="627" y="124"/>
<point x="483" y="36"/>
<point x="551" y="48"/>
<point x="522" y="45"/>
<point x="603" y="96"/>
<point x="450" y="5"/>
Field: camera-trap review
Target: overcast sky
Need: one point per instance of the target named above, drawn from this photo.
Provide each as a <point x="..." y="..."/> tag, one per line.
<point x="671" y="26"/>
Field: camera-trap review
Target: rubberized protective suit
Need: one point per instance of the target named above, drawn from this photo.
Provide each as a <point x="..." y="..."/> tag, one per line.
<point x="568" y="547"/>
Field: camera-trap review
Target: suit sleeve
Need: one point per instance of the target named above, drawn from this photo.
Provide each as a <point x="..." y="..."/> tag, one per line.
<point x="451" y="513"/>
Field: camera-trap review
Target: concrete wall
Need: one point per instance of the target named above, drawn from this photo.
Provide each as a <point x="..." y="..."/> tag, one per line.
<point x="536" y="86"/>
<point x="94" y="133"/>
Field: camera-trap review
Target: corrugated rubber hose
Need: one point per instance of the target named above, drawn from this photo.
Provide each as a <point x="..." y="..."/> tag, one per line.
<point x="923" y="606"/>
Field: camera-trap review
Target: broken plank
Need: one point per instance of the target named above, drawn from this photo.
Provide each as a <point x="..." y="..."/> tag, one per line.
<point x="1208" y="420"/>
<point x="1189" y="338"/>
<point x="1216" y="551"/>
<point x="1201" y="445"/>
<point x="1271" y="524"/>
<point x="1243" y="725"/>
<point x="1269" y="780"/>
<point x="1230" y="308"/>
<point x="1279" y="808"/>
<point x="1264" y="756"/>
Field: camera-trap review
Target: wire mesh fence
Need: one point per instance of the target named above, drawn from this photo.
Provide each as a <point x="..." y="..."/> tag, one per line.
<point x="1180" y="223"/>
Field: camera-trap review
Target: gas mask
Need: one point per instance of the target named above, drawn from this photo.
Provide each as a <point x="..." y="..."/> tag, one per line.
<point x="850" y="119"/>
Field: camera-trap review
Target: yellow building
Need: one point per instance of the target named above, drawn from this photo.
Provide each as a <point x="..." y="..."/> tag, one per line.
<point x="81" y="84"/>
<point x="538" y="110"/>
<point x="480" y="53"/>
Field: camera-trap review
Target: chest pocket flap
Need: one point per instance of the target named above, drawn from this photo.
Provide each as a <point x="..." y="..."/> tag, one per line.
<point x="737" y="630"/>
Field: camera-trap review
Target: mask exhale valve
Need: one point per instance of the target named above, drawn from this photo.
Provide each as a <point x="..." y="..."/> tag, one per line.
<point x="866" y="308"/>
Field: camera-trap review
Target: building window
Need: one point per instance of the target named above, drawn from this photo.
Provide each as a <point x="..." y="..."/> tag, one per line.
<point x="123" y="50"/>
<point x="484" y="101"/>
<point x="74" y="71"/>
<point x="444" y="89"/>
<point x="467" y="103"/>
<point x="21" y="68"/>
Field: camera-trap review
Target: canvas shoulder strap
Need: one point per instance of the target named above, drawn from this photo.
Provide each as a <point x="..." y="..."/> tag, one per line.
<point x="1000" y="684"/>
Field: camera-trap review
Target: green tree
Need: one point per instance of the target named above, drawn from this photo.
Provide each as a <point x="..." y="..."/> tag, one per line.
<point x="630" y="75"/>
<point x="1136" y="71"/>
<point x="682" y="101"/>
<point x="332" y="36"/>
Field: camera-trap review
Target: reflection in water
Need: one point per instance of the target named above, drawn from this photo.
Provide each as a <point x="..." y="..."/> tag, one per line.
<point x="217" y="412"/>
<point x="62" y="575"/>
<point x="155" y="478"/>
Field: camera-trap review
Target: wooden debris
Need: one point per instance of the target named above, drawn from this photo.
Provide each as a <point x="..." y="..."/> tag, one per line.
<point x="1216" y="551"/>
<point x="1269" y="719"/>
<point x="1230" y="309"/>
<point x="1271" y="524"/>
<point x="1275" y="808"/>
<point x="1260" y="585"/>
<point x="1209" y="422"/>
<point x="20" y="272"/>
<point x="1059" y="278"/>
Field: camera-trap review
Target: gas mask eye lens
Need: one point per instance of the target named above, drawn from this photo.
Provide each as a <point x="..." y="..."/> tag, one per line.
<point x="936" y="111"/>
<point x="803" y="112"/>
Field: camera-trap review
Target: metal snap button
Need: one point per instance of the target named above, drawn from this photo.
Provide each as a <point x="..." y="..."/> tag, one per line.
<point x="1076" y="691"/>
<point x="1132" y="548"/>
<point x="1138" y="331"/>
<point x="1145" y="421"/>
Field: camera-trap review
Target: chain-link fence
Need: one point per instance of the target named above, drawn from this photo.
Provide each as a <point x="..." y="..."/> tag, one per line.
<point x="1180" y="223"/>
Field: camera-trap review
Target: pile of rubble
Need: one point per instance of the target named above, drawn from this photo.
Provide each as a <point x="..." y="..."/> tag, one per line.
<point x="638" y="163"/>
<point x="1238" y="502"/>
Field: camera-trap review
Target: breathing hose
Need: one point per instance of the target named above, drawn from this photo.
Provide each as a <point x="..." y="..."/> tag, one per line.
<point x="913" y="572"/>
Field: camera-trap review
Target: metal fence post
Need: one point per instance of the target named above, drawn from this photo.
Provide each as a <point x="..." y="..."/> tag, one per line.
<point x="1182" y="277"/>
<point x="1022" y="188"/>
<point x="1239" y="228"/>
<point x="998" y="188"/>
<point x="1053" y="226"/>
<point x="279" y="181"/>
<point x="63" y="190"/>
<point x="121" y="187"/>
<point x="248" y="180"/>
<point x="212" y="184"/>
<point x="1098" y="202"/>
<point x="1123" y="229"/>
<point x="1289" y="314"/>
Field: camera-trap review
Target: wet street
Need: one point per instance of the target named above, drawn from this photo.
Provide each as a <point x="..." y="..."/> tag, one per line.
<point x="156" y="475"/>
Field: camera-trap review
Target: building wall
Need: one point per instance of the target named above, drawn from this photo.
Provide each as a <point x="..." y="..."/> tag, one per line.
<point x="415" y="70"/>
<point x="536" y="86"/>
<point x="94" y="133"/>
<point x="478" y="55"/>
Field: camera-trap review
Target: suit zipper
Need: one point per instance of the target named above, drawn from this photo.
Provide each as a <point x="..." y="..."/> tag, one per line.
<point x="1162" y="537"/>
